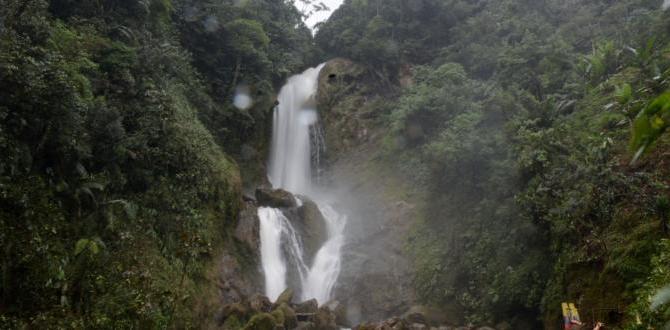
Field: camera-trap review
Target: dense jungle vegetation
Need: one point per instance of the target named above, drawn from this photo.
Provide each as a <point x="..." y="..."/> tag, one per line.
<point x="536" y="126"/>
<point x="117" y="182"/>
<point x="519" y="123"/>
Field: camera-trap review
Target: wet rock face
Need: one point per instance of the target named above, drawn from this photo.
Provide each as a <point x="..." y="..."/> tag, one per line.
<point x="248" y="226"/>
<point x="336" y="74"/>
<point x="260" y="304"/>
<point x="312" y="227"/>
<point x="239" y="277"/>
<point x="276" y="198"/>
<point x="234" y="284"/>
<point x="341" y="89"/>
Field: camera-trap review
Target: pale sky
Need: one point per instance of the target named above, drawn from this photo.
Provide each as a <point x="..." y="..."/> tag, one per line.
<point x="321" y="15"/>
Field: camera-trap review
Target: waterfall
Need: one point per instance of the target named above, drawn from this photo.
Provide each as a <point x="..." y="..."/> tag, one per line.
<point x="321" y="278"/>
<point x="297" y="143"/>
<point x="290" y="159"/>
<point x="270" y="231"/>
<point x="273" y="227"/>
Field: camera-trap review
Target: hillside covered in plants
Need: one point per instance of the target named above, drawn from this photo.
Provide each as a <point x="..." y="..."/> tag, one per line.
<point x="484" y="161"/>
<point x="121" y="151"/>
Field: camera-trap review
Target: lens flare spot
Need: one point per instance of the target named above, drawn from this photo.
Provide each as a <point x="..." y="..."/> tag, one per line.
<point x="242" y="99"/>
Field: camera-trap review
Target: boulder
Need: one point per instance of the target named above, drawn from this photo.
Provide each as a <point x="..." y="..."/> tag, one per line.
<point x="340" y="312"/>
<point x="275" y="198"/>
<point x="308" y="307"/>
<point x="325" y="319"/>
<point x="416" y="317"/>
<point x="262" y="321"/>
<point x="290" y="320"/>
<point x="260" y="304"/>
<point x="313" y="228"/>
<point x="430" y="315"/>
<point x="395" y="323"/>
<point x="418" y="326"/>
<point x="285" y="297"/>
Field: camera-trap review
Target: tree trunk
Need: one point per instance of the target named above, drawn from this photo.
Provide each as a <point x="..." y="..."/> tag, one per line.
<point x="236" y="76"/>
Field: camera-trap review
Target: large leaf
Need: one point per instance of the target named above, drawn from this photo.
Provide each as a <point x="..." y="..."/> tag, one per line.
<point x="86" y="244"/>
<point x="649" y="124"/>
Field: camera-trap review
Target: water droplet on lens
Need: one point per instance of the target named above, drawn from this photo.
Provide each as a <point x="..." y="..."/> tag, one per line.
<point x="242" y="100"/>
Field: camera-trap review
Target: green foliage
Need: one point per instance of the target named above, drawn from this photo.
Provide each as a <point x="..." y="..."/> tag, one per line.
<point x="385" y="33"/>
<point x="248" y="37"/>
<point x="86" y="245"/>
<point x="650" y="123"/>
<point x="515" y="120"/>
<point x="250" y="44"/>
<point x="651" y="305"/>
<point x="466" y="147"/>
<point x="601" y="62"/>
<point x="114" y="197"/>
<point x="624" y="94"/>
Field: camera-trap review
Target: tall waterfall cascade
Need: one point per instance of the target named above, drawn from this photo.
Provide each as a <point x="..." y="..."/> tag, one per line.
<point x="297" y="143"/>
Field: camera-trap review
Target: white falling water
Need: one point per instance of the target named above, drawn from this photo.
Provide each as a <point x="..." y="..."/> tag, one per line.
<point x="271" y="258"/>
<point x="290" y="160"/>
<point x="291" y="169"/>
<point x="275" y="226"/>
<point x="322" y="276"/>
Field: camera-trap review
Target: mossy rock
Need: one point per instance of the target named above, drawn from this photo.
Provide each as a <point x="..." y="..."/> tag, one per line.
<point x="232" y="323"/>
<point x="308" y="307"/>
<point x="285" y="297"/>
<point x="279" y="317"/>
<point x="262" y="321"/>
<point x="277" y="198"/>
<point x="290" y="319"/>
<point x="325" y="319"/>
